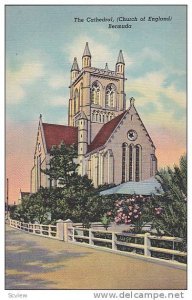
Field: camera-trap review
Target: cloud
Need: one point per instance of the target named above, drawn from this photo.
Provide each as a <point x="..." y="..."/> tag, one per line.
<point x="18" y="80"/>
<point x="151" y="86"/>
<point x="149" y="53"/>
<point x="147" y="86"/>
<point x="162" y="106"/>
<point x="59" y="101"/>
<point x="57" y="81"/>
<point x="108" y="33"/>
<point x="100" y="52"/>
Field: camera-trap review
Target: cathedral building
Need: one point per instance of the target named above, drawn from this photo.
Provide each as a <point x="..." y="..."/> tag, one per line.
<point x="113" y="143"/>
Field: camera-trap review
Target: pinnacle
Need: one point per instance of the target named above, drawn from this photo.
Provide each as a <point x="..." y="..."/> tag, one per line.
<point x="87" y="51"/>
<point x="120" y="58"/>
<point x="75" y="66"/>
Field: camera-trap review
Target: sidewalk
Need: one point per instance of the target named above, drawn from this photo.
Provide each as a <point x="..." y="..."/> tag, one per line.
<point x="34" y="262"/>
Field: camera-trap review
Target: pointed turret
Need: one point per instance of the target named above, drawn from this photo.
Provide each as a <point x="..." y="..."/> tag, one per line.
<point x="74" y="69"/>
<point x="120" y="65"/>
<point x="75" y="66"/>
<point x="132" y="100"/>
<point x="120" y="58"/>
<point x="87" y="51"/>
<point x="106" y="67"/>
<point x="86" y="58"/>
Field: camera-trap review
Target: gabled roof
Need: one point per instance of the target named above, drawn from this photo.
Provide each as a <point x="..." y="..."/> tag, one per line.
<point x="55" y="134"/>
<point x="105" y="132"/>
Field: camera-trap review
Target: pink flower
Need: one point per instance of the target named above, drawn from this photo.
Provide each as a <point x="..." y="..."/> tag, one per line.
<point x="136" y="216"/>
<point x="117" y="220"/>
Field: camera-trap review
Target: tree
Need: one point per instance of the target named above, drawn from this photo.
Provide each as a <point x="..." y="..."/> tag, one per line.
<point x="78" y="198"/>
<point x="75" y="198"/>
<point x="62" y="166"/>
<point x="169" y="210"/>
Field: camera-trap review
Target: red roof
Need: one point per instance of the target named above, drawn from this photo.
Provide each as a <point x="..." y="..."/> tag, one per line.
<point x="105" y="132"/>
<point x="55" y="134"/>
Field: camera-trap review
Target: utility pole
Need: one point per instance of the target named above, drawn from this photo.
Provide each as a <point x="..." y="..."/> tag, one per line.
<point x="7" y="198"/>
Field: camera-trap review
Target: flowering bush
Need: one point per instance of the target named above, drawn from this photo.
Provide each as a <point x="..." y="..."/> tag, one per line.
<point x="131" y="211"/>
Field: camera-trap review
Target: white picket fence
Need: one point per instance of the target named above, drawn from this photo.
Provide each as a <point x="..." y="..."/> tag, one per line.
<point x="75" y="233"/>
<point x="111" y="240"/>
<point x="38" y="229"/>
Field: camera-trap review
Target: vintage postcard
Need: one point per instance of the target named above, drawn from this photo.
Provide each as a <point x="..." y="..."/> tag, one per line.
<point x="96" y="155"/>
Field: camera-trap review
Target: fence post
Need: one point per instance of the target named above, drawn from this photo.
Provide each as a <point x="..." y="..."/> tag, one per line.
<point x="147" y="244"/>
<point x="114" y="239"/>
<point x="73" y="233"/>
<point x="91" y="242"/>
<point x="60" y="229"/>
<point x="49" y="230"/>
<point x="67" y="223"/>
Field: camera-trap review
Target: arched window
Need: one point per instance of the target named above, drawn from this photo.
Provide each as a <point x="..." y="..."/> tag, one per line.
<point x="130" y="163"/>
<point x="137" y="162"/>
<point x="95" y="93"/>
<point x="124" y="147"/>
<point x="110" y="95"/>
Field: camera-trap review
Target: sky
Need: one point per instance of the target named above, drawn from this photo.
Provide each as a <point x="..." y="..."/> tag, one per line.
<point x="41" y="42"/>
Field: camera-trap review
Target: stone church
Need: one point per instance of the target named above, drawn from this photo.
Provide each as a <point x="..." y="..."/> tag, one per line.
<point x="113" y="143"/>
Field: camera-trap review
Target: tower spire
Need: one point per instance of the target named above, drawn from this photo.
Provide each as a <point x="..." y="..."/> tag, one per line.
<point x="120" y="58"/>
<point x="120" y="65"/>
<point x="86" y="58"/>
<point x="75" y="66"/>
<point x="106" y="67"/>
<point x="87" y="51"/>
<point x="74" y="69"/>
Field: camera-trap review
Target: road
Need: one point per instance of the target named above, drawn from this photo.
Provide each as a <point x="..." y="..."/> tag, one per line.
<point x="34" y="262"/>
